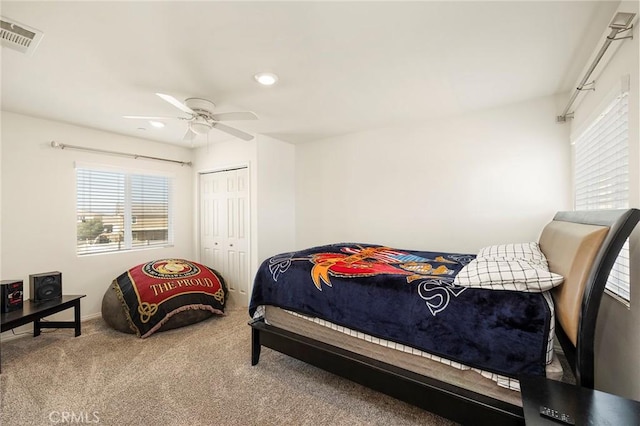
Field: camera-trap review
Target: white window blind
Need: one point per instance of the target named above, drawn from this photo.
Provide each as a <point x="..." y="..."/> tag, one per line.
<point x="121" y="211"/>
<point x="601" y="175"/>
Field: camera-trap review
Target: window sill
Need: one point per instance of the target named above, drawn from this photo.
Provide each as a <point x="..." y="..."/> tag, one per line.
<point x="618" y="299"/>
<point x="135" y="249"/>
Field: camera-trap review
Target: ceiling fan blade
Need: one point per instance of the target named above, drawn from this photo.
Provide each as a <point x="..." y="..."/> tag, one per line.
<point x="233" y="131"/>
<point x="176" y="103"/>
<point x="230" y="116"/>
<point x="144" y="117"/>
<point x="189" y="135"/>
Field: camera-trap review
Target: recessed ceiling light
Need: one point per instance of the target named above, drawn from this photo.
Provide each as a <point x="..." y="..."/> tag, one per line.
<point x="156" y="124"/>
<point x="266" y="78"/>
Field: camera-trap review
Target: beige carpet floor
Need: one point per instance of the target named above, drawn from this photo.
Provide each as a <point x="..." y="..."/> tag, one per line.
<point x="197" y="375"/>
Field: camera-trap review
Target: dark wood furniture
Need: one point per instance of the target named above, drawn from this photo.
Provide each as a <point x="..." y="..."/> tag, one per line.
<point x="586" y="406"/>
<point x="445" y="399"/>
<point x="35" y="312"/>
<point x="581" y="355"/>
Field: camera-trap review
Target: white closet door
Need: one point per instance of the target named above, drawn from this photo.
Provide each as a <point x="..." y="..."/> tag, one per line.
<point x="224" y="222"/>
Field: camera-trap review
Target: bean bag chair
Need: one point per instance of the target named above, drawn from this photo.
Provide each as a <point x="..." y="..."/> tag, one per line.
<point x="161" y="295"/>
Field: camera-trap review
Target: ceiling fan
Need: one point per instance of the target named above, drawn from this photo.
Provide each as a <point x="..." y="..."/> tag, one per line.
<point x="201" y="118"/>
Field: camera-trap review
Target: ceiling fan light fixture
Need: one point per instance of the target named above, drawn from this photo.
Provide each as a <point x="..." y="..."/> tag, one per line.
<point x="200" y="126"/>
<point x="266" y="78"/>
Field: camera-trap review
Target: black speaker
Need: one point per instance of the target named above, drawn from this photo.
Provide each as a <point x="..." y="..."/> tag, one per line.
<point x="45" y="286"/>
<point x="11" y="295"/>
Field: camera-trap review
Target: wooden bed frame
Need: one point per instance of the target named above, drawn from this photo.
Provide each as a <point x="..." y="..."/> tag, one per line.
<point x="454" y="402"/>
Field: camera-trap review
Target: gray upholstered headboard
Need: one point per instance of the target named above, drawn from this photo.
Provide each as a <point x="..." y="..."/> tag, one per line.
<point x="582" y="247"/>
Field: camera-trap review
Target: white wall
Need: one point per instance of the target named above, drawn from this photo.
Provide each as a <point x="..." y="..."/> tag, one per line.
<point x="39" y="198"/>
<point x="493" y="176"/>
<point x="618" y="328"/>
<point x="276" y="197"/>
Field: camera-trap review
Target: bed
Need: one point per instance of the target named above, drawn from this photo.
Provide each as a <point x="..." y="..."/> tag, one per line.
<point x="580" y="247"/>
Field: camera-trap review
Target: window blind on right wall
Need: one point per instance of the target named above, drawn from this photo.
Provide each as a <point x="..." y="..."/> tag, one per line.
<point x="601" y="175"/>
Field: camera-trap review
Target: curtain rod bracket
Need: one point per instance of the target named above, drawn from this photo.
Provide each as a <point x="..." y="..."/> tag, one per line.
<point x="615" y="37"/>
<point x="588" y="86"/>
<point x="621" y="38"/>
<point x="564" y="118"/>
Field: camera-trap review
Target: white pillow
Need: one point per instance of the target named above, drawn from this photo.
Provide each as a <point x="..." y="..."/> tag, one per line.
<point x="529" y="252"/>
<point x="519" y="275"/>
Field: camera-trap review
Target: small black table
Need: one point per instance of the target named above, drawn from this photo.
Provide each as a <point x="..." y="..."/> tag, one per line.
<point x="586" y="406"/>
<point x="34" y="312"/>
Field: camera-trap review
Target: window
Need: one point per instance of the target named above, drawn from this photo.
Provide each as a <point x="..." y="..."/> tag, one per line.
<point x="121" y="211"/>
<point x="601" y="175"/>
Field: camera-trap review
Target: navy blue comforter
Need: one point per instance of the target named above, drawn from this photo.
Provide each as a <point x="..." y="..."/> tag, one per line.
<point x="409" y="297"/>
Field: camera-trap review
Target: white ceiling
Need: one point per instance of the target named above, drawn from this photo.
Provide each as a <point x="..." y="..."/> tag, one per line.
<point x="343" y="66"/>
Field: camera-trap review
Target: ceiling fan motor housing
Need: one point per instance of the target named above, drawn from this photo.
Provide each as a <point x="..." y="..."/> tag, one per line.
<point x="200" y="105"/>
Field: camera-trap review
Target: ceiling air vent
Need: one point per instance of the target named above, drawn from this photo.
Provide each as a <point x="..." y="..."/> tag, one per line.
<point x="19" y="36"/>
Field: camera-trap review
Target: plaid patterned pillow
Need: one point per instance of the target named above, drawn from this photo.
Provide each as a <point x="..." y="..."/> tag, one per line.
<point x="519" y="275"/>
<point x="529" y="252"/>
